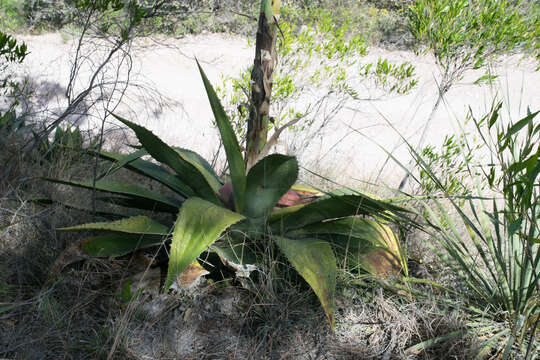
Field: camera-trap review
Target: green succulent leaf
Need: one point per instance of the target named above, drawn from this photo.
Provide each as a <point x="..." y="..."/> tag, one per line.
<point x="202" y="165"/>
<point x="116" y="244"/>
<point x="87" y="209"/>
<point x="230" y="143"/>
<point x="136" y="203"/>
<point x="315" y="261"/>
<point x="122" y="161"/>
<point x="332" y="208"/>
<point x="133" y="225"/>
<point x="152" y="171"/>
<point x="267" y="181"/>
<point x="199" y="224"/>
<point x="186" y="170"/>
<point x="236" y="253"/>
<point x="133" y="191"/>
<point x="370" y="245"/>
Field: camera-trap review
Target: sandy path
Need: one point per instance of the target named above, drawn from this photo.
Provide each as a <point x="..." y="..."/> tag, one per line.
<point x="342" y="153"/>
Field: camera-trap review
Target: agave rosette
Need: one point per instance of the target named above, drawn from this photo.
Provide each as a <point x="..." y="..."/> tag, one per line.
<point x="227" y="219"/>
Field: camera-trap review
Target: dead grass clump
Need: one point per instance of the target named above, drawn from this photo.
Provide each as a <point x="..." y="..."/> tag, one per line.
<point x="388" y="326"/>
<point x="69" y="318"/>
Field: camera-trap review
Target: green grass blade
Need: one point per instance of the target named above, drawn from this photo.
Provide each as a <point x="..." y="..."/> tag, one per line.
<point x="199" y="224"/>
<point x="237" y="166"/>
<point x="315" y="261"/>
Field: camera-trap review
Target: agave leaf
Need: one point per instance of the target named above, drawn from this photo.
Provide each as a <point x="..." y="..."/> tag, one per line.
<point x="331" y="208"/>
<point x="236" y="254"/>
<point x="117" y="244"/>
<point x="360" y="237"/>
<point x="276" y="216"/>
<point x="133" y="225"/>
<point x="122" y="162"/>
<point x="201" y="165"/>
<point x="267" y="181"/>
<point x="185" y="170"/>
<point x="136" y="203"/>
<point x="109" y="245"/>
<point x="199" y="224"/>
<point x="153" y="171"/>
<point x="105" y="214"/>
<point x="307" y="190"/>
<point x="230" y="143"/>
<point x="125" y="189"/>
<point x="315" y="261"/>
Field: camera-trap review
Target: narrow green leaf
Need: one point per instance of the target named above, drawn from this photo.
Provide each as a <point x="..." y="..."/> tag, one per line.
<point x="122" y="162"/>
<point x="133" y="225"/>
<point x="267" y="182"/>
<point x="199" y="224"/>
<point x="201" y="165"/>
<point x="162" y="152"/>
<point x="230" y="143"/>
<point x="332" y="208"/>
<point x="153" y="171"/>
<point x="116" y="244"/>
<point x="136" y="203"/>
<point x="520" y="124"/>
<point x="315" y="261"/>
<point x="105" y="214"/>
<point x="125" y="189"/>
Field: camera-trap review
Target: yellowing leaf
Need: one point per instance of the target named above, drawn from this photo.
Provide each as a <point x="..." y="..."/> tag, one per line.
<point x="315" y="261"/>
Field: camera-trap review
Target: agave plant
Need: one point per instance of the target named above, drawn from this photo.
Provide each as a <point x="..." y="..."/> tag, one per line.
<point x="233" y="220"/>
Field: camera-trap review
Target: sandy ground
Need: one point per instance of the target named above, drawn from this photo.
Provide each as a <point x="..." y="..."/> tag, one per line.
<point x="349" y="147"/>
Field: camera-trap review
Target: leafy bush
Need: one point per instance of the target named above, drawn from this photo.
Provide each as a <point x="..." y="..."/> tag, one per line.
<point x="237" y="219"/>
<point x="11" y="52"/>
<point x="497" y="259"/>
<point x="317" y="62"/>
<point x="468" y="34"/>
<point x="451" y="164"/>
<point x="11" y="14"/>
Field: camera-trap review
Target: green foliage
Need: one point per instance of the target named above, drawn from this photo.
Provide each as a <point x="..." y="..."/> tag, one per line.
<point x="393" y="78"/>
<point x="315" y="59"/>
<point x="451" y="164"/>
<point x="11" y="14"/>
<point x="466" y="34"/>
<point x="207" y="222"/>
<point x="377" y="23"/>
<point x="10" y="51"/>
<point x="497" y="259"/>
<point x="10" y="123"/>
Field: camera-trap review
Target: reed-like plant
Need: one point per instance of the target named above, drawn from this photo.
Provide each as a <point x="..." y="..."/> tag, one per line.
<point x="492" y="244"/>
